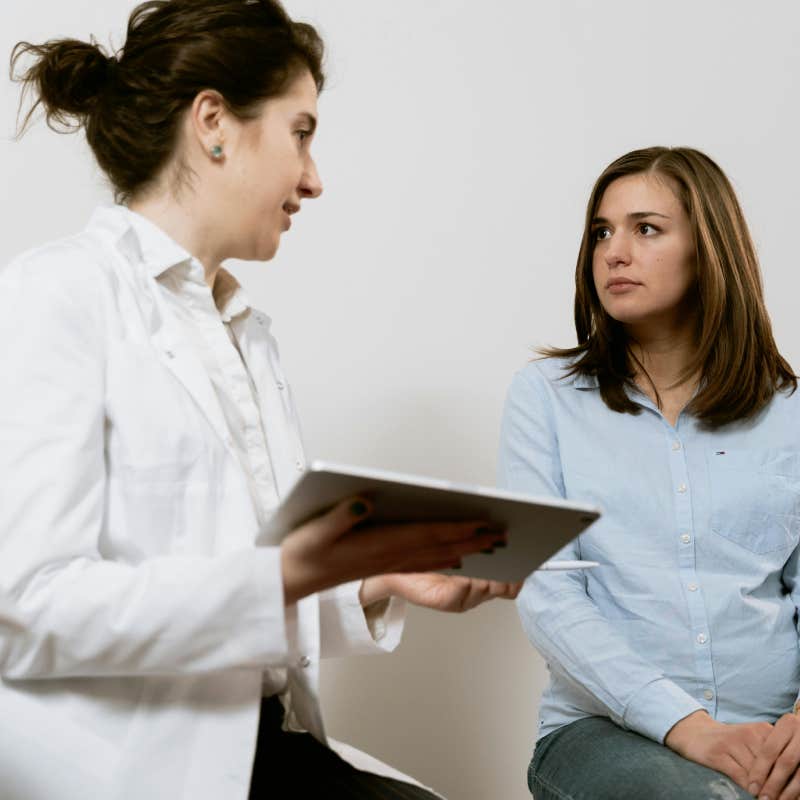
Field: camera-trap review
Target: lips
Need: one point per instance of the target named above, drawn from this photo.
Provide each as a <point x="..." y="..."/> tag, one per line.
<point x="621" y="282"/>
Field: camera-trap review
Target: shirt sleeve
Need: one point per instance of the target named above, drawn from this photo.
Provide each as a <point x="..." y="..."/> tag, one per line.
<point x="346" y="628"/>
<point x="84" y="614"/>
<point x="791" y="581"/>
<point x="559" y="617"/>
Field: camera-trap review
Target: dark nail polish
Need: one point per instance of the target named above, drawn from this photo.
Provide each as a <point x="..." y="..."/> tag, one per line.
<point x="358" y="509"/>
<point x="500" y="543"/>
<point x="488" y="551"/>
<point x="482" y="530"/>
<point x="457" y="566"/>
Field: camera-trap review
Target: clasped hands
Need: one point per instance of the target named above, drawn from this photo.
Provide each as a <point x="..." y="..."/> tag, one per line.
<point x="762" y="758"/>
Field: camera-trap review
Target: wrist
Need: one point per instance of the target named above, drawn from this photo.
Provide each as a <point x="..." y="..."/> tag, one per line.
<point x="683" y="732"/>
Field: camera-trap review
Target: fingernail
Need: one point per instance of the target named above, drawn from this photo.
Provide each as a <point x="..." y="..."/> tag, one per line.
<point x="458" y="565"/>
<point x="482" y="530"/>
<point x="500" y="543"/>
<point x="488" y="551"/>
<point x="358" y="509"/>
<point x="753" y="789"/>
<point x="763" y="797"/>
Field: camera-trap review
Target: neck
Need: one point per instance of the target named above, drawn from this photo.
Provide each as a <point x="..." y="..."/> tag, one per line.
<point x="665" y="352"/>
<point x="187" y="222"/>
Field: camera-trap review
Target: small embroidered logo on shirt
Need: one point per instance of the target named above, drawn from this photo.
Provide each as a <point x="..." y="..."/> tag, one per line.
<point x="720" y="453"/>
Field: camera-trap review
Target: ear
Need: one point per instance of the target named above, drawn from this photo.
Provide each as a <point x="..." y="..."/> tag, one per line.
<point x="208" y="118"/>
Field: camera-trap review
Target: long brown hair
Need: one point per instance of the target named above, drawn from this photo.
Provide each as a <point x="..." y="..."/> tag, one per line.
<point x="131" y="102"/>
<point x="737" y="359"/>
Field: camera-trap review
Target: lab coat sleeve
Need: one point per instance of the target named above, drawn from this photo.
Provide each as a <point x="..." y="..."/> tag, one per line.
<point x="560" y="619"/>
<point x="85" y="615"/>
<point x="348" y="629"/>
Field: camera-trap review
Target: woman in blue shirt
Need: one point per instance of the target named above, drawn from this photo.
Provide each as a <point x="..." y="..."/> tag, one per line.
<point x="674" y="665"/>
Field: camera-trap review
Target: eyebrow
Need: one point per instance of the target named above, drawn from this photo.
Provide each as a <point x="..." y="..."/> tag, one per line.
<point x="309" y="119"/>
<point x="632" y="215"/>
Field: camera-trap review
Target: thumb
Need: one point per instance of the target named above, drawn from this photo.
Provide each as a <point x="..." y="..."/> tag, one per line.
<point x="345" y="515"/>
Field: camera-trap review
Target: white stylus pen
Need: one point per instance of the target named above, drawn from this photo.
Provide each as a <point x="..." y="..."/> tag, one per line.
<point x="554" y="565"/>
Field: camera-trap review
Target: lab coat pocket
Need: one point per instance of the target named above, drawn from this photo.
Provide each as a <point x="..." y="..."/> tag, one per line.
<point x="755" y="497"/>
<point x="159" y="510"/>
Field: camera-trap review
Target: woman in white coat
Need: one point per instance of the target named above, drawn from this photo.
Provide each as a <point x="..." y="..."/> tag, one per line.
<point x="148" y="432"/>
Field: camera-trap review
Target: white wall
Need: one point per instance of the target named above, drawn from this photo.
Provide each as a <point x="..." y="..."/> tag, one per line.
<point x="458" y="143"/>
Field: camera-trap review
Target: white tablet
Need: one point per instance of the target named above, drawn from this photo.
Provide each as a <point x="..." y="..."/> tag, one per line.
<point x="537" y="526"/>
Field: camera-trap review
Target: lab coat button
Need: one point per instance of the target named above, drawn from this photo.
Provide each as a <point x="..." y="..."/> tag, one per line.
<point x="708" y="694"/>
<point x="280" y="385"/>
<point x="682" y="488"/>
<point x="685" y="538"/>
<point x="676" y="445"/>
<point x="380" y="630"/>
<point x="304" y="662"/>
<point x="299" y="465"/>
<point x="701" y="638"/>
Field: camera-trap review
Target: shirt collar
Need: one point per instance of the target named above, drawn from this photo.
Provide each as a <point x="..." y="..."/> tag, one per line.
<point x="158" y="253"/>
<point x="581" y="381"/>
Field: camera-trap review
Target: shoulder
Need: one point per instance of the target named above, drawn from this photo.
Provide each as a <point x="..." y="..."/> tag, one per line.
<point x="75" y="263"/>
<point x="545" y="375"/>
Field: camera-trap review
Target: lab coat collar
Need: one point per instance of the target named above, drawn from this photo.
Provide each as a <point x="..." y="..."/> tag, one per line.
<point x="142" y="240"/>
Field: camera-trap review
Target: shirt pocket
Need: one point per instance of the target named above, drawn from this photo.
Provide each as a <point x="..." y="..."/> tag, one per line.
<point x="755" y="497"/>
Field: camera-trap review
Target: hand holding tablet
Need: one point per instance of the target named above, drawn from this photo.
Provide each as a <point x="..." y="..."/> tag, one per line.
<point x="535" y="528"/>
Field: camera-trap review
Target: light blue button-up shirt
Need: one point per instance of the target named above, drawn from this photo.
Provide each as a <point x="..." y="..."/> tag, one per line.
<point x="694" y="604"/>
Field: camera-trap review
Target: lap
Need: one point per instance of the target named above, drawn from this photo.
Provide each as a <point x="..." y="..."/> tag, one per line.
<point x="313" y="770"/>
<point x="594" y="759"/>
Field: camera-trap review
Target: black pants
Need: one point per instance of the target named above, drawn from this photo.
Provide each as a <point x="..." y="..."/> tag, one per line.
<point x="312" y="770"/>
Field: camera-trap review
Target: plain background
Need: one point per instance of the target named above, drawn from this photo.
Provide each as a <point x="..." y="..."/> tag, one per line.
<point x="458" y="144"/>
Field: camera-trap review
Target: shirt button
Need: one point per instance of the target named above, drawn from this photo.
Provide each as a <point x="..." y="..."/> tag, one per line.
<point x="676" y="445"/>
<point x="701" y="638"/>
<point x="380" y="630"/>
<point x="685" y="538"/>
<point x="708" y="694"/>
<point x="692" y="587"/>
<point x="280" y="385"/>
<point x="304" y="662"/>
<point x="681" y="488"/>
<point x="299" y="465"/>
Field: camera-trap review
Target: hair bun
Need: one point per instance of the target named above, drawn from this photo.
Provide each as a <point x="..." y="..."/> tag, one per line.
<point x="70" y="76"/>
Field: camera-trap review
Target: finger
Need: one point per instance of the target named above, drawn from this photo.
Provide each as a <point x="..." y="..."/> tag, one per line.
<point x="783" y="770"/>
<point x="767" y="755"/>
<point x="444" y="533"/>
<point x="730" y="767"/>
<point x="742" y="754"/>
<point x="792" y="790"/>
<point x="341" y="518"/>
<point x="407" y="558"/>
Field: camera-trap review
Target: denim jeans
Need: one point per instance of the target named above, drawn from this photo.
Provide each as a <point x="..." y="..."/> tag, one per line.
<point x="594" y="759"/>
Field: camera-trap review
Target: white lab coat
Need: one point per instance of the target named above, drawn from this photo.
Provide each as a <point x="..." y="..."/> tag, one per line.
<point x="129" y="542"/>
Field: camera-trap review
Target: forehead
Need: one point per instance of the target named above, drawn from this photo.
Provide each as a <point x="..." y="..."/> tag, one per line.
<point x="642" y="192"/>
<point x="299" y="97"/>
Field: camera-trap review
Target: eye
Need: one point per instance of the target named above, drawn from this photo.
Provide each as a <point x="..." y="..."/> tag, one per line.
<point x="646" y="229"/>
<point x="302" y="135"/>
<point x="601" y="233"/>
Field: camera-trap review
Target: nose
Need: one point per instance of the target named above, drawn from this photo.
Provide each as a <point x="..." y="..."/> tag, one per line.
<point x="617" y="251"/>
<point x="310" y="183"/>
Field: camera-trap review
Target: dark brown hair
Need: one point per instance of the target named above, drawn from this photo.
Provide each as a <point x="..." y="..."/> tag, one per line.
<point x="131" y="102"/>
<point x="736" y="358"/>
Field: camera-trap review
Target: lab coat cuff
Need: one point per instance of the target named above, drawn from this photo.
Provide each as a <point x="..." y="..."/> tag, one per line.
<point x="657" y="707"/>
<point x="268" y="579"/>
<point x="349" y="629"/>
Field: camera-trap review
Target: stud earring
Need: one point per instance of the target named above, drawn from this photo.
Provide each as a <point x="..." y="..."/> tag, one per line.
<point x="216" y="152"/>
